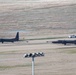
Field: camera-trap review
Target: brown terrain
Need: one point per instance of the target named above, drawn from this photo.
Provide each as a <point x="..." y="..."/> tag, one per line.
<point x="37" y="26"/>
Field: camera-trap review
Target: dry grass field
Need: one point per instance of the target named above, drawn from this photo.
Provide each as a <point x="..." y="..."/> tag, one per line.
<point x="38" y="25"/>
<point x="58" y="59"/>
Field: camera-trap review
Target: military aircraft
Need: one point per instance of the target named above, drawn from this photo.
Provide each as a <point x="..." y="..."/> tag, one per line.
<point x="65" y="42"/>
<point x="10" y="40"/>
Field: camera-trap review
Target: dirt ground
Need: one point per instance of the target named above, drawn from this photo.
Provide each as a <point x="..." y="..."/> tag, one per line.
<point x="40" y="25"/>
<point x="58" y="59"/>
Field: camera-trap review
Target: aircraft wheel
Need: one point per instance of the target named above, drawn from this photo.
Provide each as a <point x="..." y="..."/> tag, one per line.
<point x="64" y="43"/>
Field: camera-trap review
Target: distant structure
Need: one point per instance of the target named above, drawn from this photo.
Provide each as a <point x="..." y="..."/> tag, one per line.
<point x="72" y="36"/>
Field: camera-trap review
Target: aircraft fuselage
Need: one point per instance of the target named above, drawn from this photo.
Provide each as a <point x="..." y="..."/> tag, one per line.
<point x="10" y="40"/>
<point x="65" y="42"/>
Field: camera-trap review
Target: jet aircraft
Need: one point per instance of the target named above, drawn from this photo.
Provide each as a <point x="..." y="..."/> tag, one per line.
<point x="65" y="42"/>
<point x="10" y="40"/>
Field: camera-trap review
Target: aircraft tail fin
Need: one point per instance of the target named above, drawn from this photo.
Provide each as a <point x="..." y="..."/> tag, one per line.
<point x="17" y="36"/>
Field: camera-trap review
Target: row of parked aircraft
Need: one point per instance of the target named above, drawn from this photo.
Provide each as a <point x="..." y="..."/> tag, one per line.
<point x="56" y="42"/>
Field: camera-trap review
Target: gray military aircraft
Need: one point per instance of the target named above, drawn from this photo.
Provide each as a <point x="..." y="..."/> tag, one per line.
<point x="10" y="40"/>
<point x="65" y="42"/>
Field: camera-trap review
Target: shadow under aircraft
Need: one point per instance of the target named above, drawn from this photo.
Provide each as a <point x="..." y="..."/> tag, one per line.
<point x="10" y="40"/>
<point x="65" y="42"/>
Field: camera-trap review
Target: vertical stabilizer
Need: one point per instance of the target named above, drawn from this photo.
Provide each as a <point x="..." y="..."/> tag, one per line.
<point x="17" y="36"/>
